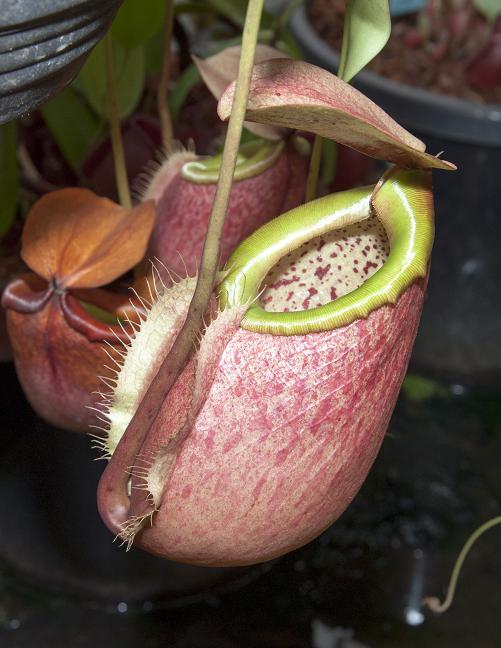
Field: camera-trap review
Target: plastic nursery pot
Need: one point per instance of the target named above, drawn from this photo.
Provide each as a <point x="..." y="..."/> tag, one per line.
<point x="52" y="538"/>
<point x="43" y="44"/>
<point x="460" y="330"/>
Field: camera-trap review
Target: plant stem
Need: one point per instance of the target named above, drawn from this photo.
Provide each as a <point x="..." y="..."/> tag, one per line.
<point x="434" y="603"/>
<point x="182" y="349"/>
<point x="163" y="86"/>
<point x="312" y="180"/>
<point x="116" y="133"/>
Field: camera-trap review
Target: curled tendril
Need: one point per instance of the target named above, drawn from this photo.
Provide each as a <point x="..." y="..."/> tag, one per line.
<point x="432" y="602"/>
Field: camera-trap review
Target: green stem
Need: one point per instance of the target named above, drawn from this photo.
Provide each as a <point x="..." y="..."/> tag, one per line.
<point x="312" y="180"/>
<point x="182" y="349"/>
<point x="163" y="86"/>
<point x="434" y="603"/>
<point x="116" y="133"/>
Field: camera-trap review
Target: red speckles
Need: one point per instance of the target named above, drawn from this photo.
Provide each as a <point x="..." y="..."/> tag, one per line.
<point x="284" y="282"/>
<point x="281" y="456"/>
<point x="186" y="492"/>
<point x="209" y="440"/>
<point x="352" y="245"/>
<point x="368" y="266"/>
<point x="258" y="488"/>
<point x="311" y="292"/>
<point x="232" y="443"/>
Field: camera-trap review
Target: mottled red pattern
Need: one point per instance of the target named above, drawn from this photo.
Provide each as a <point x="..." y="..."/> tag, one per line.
<point x="281" y="445"/>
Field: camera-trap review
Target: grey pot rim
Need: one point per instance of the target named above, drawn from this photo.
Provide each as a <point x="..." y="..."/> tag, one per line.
<point x="428" y="112"/>
<point x="44" y="45"/>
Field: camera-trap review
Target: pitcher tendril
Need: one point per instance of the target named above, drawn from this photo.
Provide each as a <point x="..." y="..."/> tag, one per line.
<point x="163" y="86"/>
<point x="313" y="172"/>
<point x="432" y="602"/>
<point x="182" y="348"/>
<point x="116" y="133"/>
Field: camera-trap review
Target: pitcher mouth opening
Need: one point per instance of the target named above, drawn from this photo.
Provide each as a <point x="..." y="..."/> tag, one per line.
<point x="326" y="268"/>
<point x="399" y="213"/>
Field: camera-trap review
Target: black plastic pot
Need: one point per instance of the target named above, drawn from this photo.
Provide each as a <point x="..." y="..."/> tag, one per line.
<point x="51" y="537"/>
<point x="43" y="44"/>
<point x="461" y="327"/>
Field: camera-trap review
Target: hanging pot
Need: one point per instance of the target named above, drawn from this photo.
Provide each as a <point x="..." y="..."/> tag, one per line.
<point x="43" y="45"/>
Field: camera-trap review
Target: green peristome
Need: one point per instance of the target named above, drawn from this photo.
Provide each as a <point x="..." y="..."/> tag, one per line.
<point x="403" y="203"/>
<point x="253" y="159"/>
<point x="100" y="314"/>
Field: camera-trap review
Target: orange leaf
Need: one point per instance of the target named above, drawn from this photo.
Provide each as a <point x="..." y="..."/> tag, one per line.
<point x="81" y="240"/>
<point x="298" y="95"/>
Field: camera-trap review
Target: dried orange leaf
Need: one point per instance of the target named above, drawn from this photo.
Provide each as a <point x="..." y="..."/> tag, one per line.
<point x="219" y="70"/>
<point x="298" y="95"/>
<point x="80" y="240"/>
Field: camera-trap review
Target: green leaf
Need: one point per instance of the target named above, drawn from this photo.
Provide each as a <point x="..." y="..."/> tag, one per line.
<point x="187" y="7"/>
<point x="129" y="78"/>
<point x="188" y="79"/>
<point x="288" y="45"/>
<point x="491" y="9"/>
<point x="419" y="388"/>
<point x="136" y="22"/>
<point x="329" y="162"/>
<point x="72" y="124"/>
<point x="367" y="27"/>
<point x="9" y="183"/>
<point x="232" y="10"/>
<point x="153" y="53"/>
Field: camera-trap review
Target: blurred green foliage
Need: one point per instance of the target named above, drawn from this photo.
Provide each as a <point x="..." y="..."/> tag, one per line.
<point x="9" y="183"/>
<point x="367" y="27"/>
<point x="491" y="9"/>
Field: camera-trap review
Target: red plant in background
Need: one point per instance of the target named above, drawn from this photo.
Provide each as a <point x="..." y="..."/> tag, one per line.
<point x="58" y="315"/>
<point x="484" y="71"/>
<point x="183" y="204"/>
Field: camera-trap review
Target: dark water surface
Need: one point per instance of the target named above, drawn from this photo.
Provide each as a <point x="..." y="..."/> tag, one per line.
<point x="63" y="583"/>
